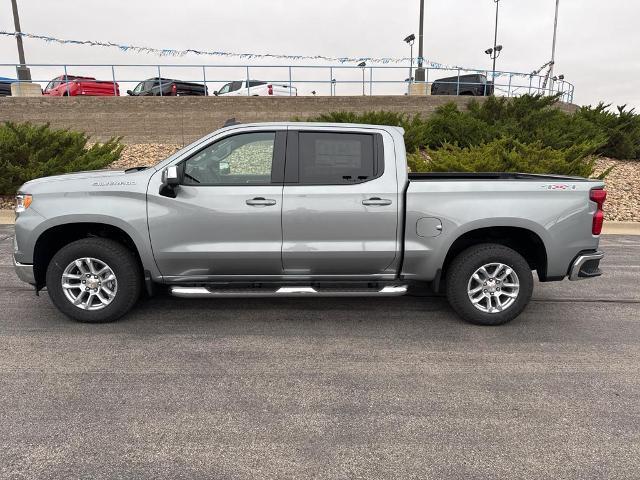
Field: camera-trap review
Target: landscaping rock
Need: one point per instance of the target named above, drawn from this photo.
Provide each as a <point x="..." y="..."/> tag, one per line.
<point x="623" y="189"/>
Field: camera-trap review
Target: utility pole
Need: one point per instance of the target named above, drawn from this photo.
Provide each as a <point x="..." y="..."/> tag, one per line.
<point x="553" y="46"/>
<point x="23" y="71"/>
<point x="420" y="75"/>
<point x="495" y="42"/>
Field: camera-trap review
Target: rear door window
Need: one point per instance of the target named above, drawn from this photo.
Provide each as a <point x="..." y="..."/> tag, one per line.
<point x="336" y="158"/>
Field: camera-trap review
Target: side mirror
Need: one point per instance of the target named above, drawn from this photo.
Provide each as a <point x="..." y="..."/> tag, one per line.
<point x="216" y="93"/>
<point x="129" y="92"/>
<point x="170" y="176"/>
<point x="171" y="179"/>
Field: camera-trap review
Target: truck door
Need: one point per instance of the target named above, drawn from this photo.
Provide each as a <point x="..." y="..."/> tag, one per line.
<point x="340" y="204"/>
<point x="225" y="220"/>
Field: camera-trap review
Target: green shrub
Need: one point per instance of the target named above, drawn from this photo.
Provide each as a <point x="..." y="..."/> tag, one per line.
<point x="507" y="155"/>
<point x="30" y="151"/>
<point x="448" y="125"/>
<point x="533" y="118"/>
<point x="621" y="130"/>
<point x="529" y="119"/>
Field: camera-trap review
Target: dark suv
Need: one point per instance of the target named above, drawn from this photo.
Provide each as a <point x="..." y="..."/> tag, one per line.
<point x="475" y="85"/>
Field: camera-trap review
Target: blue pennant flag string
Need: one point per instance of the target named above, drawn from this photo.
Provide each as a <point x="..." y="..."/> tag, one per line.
<point x="168" y="52"/>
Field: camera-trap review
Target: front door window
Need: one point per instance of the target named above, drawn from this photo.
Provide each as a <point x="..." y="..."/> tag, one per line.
<point x="225" y="89"/>
<point x="244" y="159"/>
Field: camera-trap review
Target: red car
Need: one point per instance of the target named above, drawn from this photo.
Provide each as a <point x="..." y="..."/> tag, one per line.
<point x="72" y="85"/>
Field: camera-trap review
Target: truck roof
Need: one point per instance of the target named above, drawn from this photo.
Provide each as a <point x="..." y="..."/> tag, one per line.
<point x="327" y="125"/>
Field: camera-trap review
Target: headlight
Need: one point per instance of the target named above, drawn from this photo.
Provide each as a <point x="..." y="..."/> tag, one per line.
<point x="23" y="200"/>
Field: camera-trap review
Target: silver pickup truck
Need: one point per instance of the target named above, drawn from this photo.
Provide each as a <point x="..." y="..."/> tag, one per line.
<point x="303" y="209"/>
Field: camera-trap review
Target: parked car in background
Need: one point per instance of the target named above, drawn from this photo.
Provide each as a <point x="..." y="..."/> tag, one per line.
<point x="5" y="86"/>
<point x="475" y="85"/>
<point x="72" y="85"/>
<point x="256" y="88"/>
<point x="167" y="87"/>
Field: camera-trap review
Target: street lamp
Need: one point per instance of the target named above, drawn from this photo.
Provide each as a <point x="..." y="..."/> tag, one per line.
<point x="493" y="54"/>
<point x="362" y="65"/>
<point x="410" y="40"/>
<point x="495" y="50"/>
<point x="555" y="79"/>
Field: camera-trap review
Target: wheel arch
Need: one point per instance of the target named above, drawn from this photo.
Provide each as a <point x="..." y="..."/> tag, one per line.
<point x="57" y="236"/>
<point x="525" y="241"/>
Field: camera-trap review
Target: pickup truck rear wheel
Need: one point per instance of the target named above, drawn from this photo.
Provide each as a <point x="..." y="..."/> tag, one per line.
<point x="489" y="284"/>
<point x="94" y="280"/>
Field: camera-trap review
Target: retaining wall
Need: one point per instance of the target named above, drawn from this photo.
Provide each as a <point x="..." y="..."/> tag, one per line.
<point x="182" y="120"/>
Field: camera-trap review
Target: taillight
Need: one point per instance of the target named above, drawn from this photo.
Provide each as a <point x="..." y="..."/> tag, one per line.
<point x="598" y="195"/>
<point x="270" y="89"/>
<point x="174" y="89"/>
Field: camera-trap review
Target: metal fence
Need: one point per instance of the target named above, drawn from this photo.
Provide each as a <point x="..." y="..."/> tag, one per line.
<point x="308" y="79"/>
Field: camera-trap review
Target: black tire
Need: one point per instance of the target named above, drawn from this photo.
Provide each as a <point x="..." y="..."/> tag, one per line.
<point x="465" y="265"/>
<point x="122" y="262"/>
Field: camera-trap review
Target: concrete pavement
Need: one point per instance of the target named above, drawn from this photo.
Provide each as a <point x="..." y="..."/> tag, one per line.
<point x="326" y="388"/>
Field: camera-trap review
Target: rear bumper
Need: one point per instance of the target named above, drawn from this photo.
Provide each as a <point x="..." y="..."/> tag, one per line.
<point x="24" y="272"/>
<point x="586" y="265"/>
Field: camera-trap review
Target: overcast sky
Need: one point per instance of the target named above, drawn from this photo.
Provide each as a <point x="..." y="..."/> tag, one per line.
<point x="597" y="50"/>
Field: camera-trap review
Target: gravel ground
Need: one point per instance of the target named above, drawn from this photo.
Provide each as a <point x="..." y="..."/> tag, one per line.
<point x="623" y="189"/>
<point x="144" y="154"/>
<point x="623" y="183"/>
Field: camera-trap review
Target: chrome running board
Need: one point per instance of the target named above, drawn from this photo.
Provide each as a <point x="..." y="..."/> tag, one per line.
<point x="204" y="292"/>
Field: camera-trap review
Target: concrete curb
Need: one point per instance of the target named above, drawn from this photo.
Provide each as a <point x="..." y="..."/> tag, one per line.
<point x="7" y="217"/>
<point x="621" y="228"/>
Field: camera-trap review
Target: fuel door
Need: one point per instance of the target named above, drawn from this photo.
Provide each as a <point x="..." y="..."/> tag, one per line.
<point x="428" y="227"/>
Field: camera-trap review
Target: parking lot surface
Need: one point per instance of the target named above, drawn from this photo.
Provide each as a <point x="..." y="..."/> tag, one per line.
<point x="326" y="388"/>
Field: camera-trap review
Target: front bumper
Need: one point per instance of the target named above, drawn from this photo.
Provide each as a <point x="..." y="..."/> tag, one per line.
<point x="586" y="265"/>
<point x="24" y="272"/>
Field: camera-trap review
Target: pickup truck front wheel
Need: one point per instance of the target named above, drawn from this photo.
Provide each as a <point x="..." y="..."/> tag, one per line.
<point x="489" y="284"/>
<point x="94" y="280"/>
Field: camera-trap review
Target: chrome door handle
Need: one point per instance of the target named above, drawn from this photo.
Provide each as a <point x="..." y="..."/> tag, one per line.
<point x="261" y="202"/>
<point x="376" y="202"/>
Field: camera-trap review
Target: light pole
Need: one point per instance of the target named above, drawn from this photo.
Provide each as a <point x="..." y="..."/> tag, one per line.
<point x="23" y="71"/>
<point x="420" y="70"/>
<point x="553" y="45"/>
<point x="410" y="40"/>
<point x="495" y="43"/>
<point x="362" y="65"/>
